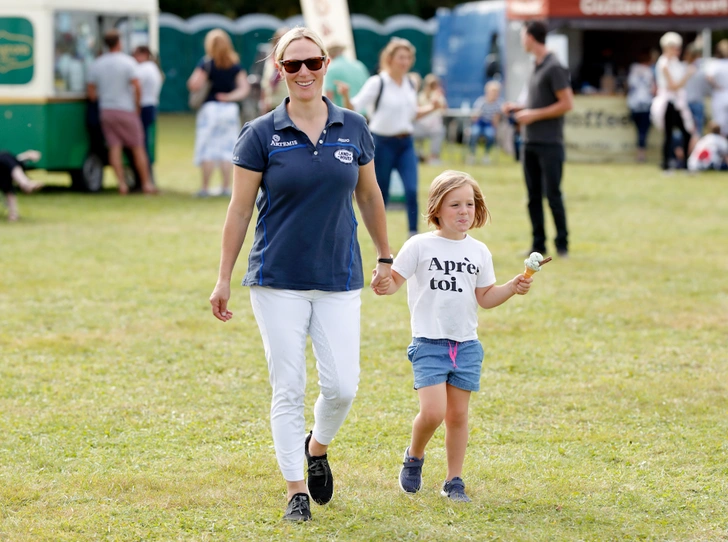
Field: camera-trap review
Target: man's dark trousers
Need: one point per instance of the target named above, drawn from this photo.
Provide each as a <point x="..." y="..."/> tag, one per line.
<point x="543" y="166"/>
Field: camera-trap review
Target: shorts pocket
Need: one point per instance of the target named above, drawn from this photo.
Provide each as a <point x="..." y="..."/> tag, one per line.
<point x="412" y="352"/>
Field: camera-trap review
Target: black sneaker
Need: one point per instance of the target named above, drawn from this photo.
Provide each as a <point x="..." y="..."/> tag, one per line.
<point x="320" y="481"/>
<point x="298" y="508"/>
<point x="455" y="490"/>
<point x="410" y="477"/>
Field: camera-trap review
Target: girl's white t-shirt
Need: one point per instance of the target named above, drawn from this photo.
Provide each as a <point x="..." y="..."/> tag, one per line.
<point x="442" y="276"/>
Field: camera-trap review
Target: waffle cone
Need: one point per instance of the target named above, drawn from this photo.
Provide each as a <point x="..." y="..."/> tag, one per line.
<point x="528" y="273"/>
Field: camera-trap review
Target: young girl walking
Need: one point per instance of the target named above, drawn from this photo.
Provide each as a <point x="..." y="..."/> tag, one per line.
<point x="449" y="274"/>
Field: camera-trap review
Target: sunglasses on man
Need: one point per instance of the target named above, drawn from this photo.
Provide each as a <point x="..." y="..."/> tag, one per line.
<point x="313" y="64"/>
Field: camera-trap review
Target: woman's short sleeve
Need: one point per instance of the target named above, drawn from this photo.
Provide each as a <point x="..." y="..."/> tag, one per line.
<point x="367" y="145"/>
<point x="249" y="152"/>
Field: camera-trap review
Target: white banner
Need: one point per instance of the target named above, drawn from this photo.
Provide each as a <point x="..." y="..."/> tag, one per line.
<point x="330" y="19"/>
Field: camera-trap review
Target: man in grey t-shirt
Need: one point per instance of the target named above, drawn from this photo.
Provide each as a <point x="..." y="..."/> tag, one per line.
<point x="114" y="82"/>
<point x="542" y="124"/>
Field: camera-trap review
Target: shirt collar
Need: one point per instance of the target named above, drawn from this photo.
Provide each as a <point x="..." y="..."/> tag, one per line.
<point x="543" y="62"/>
<point x="281" y="119"/>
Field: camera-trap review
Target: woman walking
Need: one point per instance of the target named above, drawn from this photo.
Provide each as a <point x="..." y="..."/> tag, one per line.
<point x="218" y="120"/>
<point x="391" y="99"/>
<point x="308" y="158"/>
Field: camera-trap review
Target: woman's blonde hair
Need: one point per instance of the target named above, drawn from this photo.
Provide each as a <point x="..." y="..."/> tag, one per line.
<point x="219" y="47"/>
<point x="395" y="44"/>
<point x="446" y="182"/>
<point x="297" y="33"/>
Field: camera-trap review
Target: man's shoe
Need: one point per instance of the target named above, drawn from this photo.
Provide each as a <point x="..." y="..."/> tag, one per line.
<point x="298" y="508"/>
<point x="410" y="477"/>
<point x="320" y="481"/>
<point x="455" y="490"/>
<point x="562" y="252"/>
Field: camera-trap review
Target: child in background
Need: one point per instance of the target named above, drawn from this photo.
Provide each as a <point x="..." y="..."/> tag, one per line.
<point x="12" y="171"/>
<point x="710" y="152"/>
<point x="450" y="274"/>
<point x="487" y="114"/>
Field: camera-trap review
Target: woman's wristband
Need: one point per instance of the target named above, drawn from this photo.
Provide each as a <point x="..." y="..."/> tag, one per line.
<point x="389" y="260"/>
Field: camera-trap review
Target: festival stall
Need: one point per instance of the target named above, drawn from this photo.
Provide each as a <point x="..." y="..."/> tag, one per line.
<point x="46" y="48"/>
<point x="603" y="37"/>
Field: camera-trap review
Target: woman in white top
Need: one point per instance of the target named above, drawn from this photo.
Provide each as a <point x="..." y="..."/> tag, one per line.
<point x="717" y="74"/>
<point x="150" y="79"/>
<point x="670" y="107"/>
<point x="391" y="99"/>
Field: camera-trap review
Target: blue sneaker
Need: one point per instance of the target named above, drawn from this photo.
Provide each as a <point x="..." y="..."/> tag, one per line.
<point x="455" y="490"/>
<point x="410" y="477"/>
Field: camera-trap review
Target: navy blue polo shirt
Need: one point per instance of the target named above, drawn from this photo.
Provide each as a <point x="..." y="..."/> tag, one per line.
<point x="305" y="236"/>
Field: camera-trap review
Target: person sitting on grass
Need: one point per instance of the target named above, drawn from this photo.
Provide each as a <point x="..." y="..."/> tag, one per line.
<point x="12" y="171"/>
<point x="487" y="114"/>
<point x="710" y="152"/>
<point x="449" y="275"/>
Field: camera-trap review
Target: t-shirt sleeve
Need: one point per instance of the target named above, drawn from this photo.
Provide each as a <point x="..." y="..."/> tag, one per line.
<point x="486" y="277"/>
<point x="560" y="78"/>
<point x="478" y="105"/>
<point x="366" y="145"/>
<point x="133" y="69"/>
<point x="368" y="93"/>
<point x="405" y="264"/>
<point x="249" y="152"/>
<point x="202" y="64"/>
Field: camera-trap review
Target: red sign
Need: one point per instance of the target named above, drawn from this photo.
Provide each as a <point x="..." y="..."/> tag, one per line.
<point x="532" y="9"/>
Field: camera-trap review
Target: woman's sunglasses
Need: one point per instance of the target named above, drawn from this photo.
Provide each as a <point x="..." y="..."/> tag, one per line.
<point x="313" y="64"/>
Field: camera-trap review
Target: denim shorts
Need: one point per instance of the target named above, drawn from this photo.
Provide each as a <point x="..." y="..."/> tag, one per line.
<point x="435" y="361"/>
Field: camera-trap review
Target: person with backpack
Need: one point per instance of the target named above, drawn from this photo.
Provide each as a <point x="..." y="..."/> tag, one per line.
<point x="391" y="99"/>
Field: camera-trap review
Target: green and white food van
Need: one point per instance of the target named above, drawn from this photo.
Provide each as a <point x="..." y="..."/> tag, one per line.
<point x="46" y="48"/>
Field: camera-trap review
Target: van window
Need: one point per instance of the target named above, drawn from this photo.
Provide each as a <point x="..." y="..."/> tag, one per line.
<point x="78" y="40"/>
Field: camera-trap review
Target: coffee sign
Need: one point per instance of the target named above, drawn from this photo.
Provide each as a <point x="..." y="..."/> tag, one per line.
<point x="16" y="51"/>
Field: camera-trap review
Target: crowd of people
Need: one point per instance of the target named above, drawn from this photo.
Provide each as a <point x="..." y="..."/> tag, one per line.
<point x="670" y="94"/>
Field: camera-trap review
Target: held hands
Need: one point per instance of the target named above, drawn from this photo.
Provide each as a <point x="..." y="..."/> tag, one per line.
<point x="381" y="278"/>
<point x="219" y="300"/>
<point x="520" y="285"/>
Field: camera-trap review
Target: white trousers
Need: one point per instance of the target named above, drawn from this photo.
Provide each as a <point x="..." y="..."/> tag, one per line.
<point x="332" y="319"/>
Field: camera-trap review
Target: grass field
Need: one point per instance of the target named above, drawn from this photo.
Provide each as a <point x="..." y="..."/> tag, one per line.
<point x="127" y="412"/>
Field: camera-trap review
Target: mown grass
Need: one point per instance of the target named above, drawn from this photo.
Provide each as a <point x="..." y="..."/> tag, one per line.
<point x="127" y="412"/>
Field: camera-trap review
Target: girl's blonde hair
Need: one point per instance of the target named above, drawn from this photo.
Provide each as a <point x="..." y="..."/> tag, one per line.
<point x="395" y="44"/>
<point x="219" y="47"/>
<point x="297" y="33"/>
<point x="446" y="182"/>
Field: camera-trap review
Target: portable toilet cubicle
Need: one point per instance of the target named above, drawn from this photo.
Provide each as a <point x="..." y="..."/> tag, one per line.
<point x="181" y="44"/>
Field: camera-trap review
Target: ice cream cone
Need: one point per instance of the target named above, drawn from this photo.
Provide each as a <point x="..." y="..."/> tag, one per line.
<point x="528" y="273"/>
